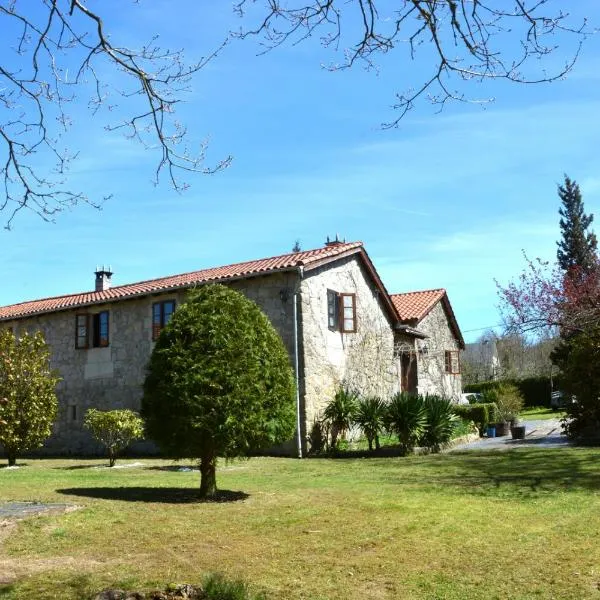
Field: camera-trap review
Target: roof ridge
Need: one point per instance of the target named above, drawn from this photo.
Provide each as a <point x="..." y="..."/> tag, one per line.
<point x="420" y="292"/>
<point x="302" y="257"/>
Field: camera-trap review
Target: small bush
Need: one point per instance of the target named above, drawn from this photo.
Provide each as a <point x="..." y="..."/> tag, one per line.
<point x="440" y="419"/>
<point x="509" y="401"/>
<point x="114" y="429"/>
<point x="370" y="417"/>
<point x="340" y="414"/>
<point x="216" y="587"/>
<point x="407" y="418"/>
<point x="481" y="414"/>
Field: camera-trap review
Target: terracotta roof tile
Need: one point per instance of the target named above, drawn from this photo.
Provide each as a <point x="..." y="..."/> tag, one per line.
<point x="415" y="305"/>
<point x="238" y="270"/>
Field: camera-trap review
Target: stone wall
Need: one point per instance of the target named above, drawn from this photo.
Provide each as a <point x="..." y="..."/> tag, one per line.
<point x="432" y="376"/>
<point x="364" y="360"/>
<point x="112" y="377"/>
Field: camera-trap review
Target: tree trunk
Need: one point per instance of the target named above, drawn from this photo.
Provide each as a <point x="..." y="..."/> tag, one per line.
<point x="370" y="440"/>
<point x="12" y="458"/>
<point x="208" y="478"/>
<point x="112" y="459"/>
<point x="377" y="444"/>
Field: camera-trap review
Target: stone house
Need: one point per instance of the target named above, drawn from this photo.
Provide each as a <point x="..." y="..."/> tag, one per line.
<point x="430" y="365"/>
<point x="336" y="319"/>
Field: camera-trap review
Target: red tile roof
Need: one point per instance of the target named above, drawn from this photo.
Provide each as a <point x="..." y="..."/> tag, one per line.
<point x="416" y="305"/>
<point x="308" y="259"/>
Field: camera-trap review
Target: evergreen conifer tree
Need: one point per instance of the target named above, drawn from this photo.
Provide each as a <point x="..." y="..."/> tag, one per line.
<point x="578" y="246"/>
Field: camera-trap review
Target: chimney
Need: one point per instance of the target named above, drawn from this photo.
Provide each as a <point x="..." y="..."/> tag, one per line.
<point x="329" y="243"/>
<point x="103" y="276"/>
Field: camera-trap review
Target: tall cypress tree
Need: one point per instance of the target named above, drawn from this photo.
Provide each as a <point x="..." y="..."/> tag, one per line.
<point x="578" y="246"/>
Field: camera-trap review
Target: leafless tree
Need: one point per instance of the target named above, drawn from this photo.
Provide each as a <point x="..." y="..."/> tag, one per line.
<point x="461" y="40"/>
<point x="56" y="50"/>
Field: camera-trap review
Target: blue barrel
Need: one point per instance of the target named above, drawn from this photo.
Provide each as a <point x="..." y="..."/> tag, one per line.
<point x="491" y="432"/>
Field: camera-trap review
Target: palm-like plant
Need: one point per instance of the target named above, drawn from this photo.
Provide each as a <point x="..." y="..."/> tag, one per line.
<point x="407" y="418"/>
<point x="370" y="418"/>
<point x="440" y="422"/>
<point x="340" y="413"/>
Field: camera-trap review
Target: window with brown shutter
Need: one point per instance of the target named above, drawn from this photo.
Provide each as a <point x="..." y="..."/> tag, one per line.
<point x="91" y="331"/>
<point x="333" y="310"/>
<point x="348" y="313"/>
<point x="452" y="362"/>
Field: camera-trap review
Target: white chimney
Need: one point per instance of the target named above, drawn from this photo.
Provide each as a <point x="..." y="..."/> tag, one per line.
<point x="103" y="276"/>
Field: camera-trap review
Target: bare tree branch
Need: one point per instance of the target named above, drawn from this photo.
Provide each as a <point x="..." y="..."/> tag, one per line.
<point x="466" y="39"/>
<point x="48" y="37"/>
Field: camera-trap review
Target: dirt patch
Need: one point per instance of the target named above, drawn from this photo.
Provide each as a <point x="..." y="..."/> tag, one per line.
<point x="12" y="569"/>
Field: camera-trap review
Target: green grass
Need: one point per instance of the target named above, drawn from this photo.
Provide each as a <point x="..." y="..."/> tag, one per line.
<point x="517" y="524"/>
<point x="540" y="413"/>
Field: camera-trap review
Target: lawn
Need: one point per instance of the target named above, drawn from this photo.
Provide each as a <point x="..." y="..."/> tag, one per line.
<point x="518" y="524"/>
<point x="540" y="413"/>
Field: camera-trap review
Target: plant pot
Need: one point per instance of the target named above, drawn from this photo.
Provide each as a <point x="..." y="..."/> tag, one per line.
<point x="501" y="429"/>
<point x="518" y="432"/>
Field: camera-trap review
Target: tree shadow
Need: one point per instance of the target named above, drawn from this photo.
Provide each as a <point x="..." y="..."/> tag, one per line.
<point x="77" y="467"/>
<point x="19" y="464"/>
<point x="6" y="590"/>
<point x="175" y="468"/>
<point x="526" y="471"/>
<point x="166" y="495"/>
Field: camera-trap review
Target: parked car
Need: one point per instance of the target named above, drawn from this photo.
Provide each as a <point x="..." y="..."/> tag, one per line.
<point x="559" y="400"/>
<point x="470" y="398"/>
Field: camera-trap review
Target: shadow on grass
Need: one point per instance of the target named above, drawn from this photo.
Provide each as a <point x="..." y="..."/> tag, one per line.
<point x="526" y="471"/>
<point x="5" y="590"/>
<point x="78" y="467"/>
<point x="175" y="468"/>
<point x="167" y="495"/>
<point x="19" y="465"/>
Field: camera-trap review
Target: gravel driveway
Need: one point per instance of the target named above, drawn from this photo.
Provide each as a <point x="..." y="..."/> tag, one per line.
<point x="539" y="433"/>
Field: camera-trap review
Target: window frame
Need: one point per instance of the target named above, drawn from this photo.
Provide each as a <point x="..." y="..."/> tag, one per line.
<point x="98" y="340"/>
<point x="342" y="317"/>
<point x="86" y="338"/>
<point x="333" y="310"/>
<point x="452" y="362"/>
<point x="158" y="327"/>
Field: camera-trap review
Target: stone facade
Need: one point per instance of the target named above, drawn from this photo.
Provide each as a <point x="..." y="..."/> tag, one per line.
<point x="368" y="359"/>
<point x="362" y="360"/>
<point x="112" y="377"/>
<point x="431" y="365"/>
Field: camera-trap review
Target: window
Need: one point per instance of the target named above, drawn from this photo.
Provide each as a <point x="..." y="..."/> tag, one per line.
<point x="161" y="315"/>
<point x="91" y="328"/>
<point x="81" y="331"/>
<point x="341" y="312"/>
<point x="73" y="412"/>
<point x="452" y="361"/>
<point x="333" y="310"/>
<point x="348" y="316"/>
<point x="100" y="330"/>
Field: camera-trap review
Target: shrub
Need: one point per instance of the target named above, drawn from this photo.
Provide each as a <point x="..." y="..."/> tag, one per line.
<point x="440" y="421"/>
<point x="509" y="401"/>
<point x="407" y="418"/>
<point x="340" y="414"/>
<point x="219" y="382"/>
<point x="481" y="414"/>
<point x="216" y="587"/>
<point x="114" y="429"/>
<point x="370" y="417"/>
<point x="28" y="392"/>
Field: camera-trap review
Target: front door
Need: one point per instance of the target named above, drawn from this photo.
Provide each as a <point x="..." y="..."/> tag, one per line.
<point x="408" y="373"/>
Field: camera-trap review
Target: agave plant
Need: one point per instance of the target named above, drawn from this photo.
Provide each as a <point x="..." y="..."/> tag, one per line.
<point x="370" y="418"/>
<point x="407" y="418"/>
<point x="441" y="420"/>
<point x="340" y="413"/>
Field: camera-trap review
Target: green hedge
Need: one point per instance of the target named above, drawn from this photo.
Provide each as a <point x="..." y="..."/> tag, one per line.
<point x="536" y="391"/>
<point x="481" y="414"/>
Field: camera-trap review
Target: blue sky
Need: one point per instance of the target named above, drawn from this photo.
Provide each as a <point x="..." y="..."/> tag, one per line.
<point x="445" y="200"/>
